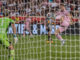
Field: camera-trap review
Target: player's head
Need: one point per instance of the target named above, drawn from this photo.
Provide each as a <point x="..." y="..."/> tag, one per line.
<point x="62" y="7"/>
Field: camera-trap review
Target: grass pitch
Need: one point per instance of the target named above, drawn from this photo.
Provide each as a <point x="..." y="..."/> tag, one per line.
<point x="36" y="48"/>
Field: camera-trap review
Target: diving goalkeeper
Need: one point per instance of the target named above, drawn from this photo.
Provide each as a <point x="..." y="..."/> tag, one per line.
<point x="5" y="22"/>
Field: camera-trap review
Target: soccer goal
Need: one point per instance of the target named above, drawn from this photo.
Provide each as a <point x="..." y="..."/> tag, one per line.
<point x="45" y="29"/>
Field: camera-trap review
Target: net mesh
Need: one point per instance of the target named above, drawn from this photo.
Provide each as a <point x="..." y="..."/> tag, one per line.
<point x="32" y="43"/>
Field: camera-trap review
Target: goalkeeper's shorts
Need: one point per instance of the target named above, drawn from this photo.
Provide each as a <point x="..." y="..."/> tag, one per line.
<point x="4" y="41"/>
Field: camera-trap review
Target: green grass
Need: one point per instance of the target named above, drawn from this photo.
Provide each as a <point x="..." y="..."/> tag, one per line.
<point x="36" y="48"/>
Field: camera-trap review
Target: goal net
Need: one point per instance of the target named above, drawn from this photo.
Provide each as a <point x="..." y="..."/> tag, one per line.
<point x="36" y="25"/>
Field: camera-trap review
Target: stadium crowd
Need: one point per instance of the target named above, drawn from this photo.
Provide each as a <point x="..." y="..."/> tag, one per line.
<point x="37" y="7"/>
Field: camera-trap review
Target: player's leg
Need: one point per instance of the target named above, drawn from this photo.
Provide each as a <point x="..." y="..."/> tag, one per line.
<point x="48" y="29"/>
<point x="57" y="34"/>
<point x="49" y="36"/>
<point x="10" y="48"/>
<point x="11" y="52"/>
<point x="49" y="33"/>
<point x="24" y="31"/>
<point x="28" y="27"/>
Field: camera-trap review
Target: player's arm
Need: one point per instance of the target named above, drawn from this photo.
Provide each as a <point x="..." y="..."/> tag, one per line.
<point x="62" y="19"/>
<point x="71" y="17"/>
<point x="14" y="31"/>
<point x="14" y="28"/>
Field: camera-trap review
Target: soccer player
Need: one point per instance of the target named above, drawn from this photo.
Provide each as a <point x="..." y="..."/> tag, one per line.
<point x="65" y="21"/>
<point x="27" y="26"/>
<point x="5" y="22"/>
<point x="49" y="25"/>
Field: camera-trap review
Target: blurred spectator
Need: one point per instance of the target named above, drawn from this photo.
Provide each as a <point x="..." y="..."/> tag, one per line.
<point x="54" y="4"/>
<point x="37" y="7"/>
<point x="1" y="3"/>
<point x="50" y="1"/>
<point x="28" y="10"/>
<point x="12" y="13"/>
<point x="1" y="13"/>
<point x="58" y="1"/>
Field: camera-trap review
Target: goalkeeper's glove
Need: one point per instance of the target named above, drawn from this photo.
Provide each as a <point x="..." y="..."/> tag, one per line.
<point x="15" y="38"/>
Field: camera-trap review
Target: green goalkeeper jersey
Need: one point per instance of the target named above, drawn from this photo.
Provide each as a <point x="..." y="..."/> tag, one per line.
<point x="4" y="23"/>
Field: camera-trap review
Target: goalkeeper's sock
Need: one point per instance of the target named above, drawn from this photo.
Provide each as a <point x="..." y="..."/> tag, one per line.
<point x="11" y="56"/>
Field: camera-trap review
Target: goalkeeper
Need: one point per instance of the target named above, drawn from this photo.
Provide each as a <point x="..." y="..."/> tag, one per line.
<point x="5" y="22"/>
